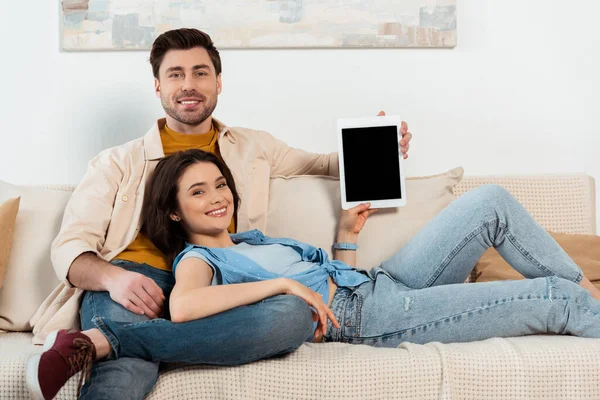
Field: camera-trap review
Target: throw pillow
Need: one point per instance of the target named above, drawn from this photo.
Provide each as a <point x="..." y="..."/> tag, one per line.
<point x="8" y="216"/>
<point x="307" y="208"/>
<point x="583" y="249"/>
<point x="30" y="277"/>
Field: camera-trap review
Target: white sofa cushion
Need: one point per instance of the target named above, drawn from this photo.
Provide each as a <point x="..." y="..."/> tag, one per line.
<point x="307" y="208"/>
<point x="29" y="275"/>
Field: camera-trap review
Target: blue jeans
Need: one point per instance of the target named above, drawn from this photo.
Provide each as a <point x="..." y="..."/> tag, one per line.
<point x="274" y="326"/>
<point x="418" y="295"/>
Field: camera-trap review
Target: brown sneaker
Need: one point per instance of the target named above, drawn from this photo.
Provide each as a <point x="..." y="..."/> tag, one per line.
<point x="65" y="354"/>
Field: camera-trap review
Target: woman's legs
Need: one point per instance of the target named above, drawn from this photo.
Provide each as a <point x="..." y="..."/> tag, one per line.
<point x="100" y="342"/>
<point x="446" y="250"/>
<point x="385" y="313"/>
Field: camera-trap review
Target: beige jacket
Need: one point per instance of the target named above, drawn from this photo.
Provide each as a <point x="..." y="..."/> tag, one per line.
<point x="103" y="214"/>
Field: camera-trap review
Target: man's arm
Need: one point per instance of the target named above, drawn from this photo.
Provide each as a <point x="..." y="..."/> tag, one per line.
<point x="86" y="219"/>
<point x="136" y="292"/>
<point x="75" y="251"/>
<point x="289" y="161"/>
<point x="90" y="272"/>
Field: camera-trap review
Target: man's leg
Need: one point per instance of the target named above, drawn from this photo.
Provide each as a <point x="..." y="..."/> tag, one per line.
<point x="274" y="326"/>
<point x="123" y="378"/>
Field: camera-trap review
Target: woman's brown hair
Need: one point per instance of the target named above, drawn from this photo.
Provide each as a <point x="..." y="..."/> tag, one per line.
<point x="160" y="200"/>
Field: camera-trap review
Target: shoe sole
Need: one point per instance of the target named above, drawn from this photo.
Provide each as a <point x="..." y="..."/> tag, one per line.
<point x="31" y="375"/>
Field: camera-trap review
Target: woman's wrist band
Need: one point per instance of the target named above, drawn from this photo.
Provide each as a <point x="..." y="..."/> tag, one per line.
<point x="345" y="246"/>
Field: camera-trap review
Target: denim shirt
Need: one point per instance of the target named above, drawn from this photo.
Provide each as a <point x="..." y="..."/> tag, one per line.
<point x="232" y="267"/>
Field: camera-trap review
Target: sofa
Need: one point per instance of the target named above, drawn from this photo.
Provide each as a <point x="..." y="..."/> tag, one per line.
<point x="306" y="208"/>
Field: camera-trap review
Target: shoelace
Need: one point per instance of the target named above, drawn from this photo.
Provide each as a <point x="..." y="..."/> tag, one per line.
<point x="81" y="360"/>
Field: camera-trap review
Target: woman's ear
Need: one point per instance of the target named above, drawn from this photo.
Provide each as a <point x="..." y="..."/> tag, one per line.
<point x="175" y="217"/>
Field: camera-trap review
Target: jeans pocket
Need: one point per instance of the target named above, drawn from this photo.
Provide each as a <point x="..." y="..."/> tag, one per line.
<point x="352" y="315"/>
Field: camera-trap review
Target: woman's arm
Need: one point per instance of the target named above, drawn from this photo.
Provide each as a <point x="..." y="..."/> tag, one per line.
<point x="193" y="297"/>
<point x="351" y="223"/>
<point x="348" y="257"/>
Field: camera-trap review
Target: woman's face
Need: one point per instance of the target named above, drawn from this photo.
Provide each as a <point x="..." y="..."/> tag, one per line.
<point x="205" y="200"/>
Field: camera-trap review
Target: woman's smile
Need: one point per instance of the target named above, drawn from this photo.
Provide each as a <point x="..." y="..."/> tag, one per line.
<point x="218" y="213"/>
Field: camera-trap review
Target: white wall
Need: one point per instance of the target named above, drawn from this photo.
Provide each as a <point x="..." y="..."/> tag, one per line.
<point x="519" y="94"/>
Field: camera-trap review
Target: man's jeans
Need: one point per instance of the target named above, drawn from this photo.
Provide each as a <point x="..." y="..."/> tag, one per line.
<point x="276" y="325"/>
<point x="418" y="296"/>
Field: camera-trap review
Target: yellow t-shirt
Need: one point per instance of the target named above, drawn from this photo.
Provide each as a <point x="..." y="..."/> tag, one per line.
<point x="141" y="250"/>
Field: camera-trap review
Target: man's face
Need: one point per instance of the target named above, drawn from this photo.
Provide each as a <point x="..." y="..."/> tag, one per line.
<point x="188" y="86"/>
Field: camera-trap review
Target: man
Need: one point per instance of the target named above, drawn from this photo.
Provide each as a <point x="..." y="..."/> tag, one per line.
<point x="117" y="271"/>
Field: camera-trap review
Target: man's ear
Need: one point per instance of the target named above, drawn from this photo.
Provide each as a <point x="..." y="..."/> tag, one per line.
<point x="157" y="87"/>
<point x="219" y="84"/>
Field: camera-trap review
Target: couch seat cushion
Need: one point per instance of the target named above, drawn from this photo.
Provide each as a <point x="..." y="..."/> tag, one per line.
<point x="532" y="367"/>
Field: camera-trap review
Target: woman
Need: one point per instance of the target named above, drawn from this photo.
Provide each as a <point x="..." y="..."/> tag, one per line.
<point x="416" y="296"/>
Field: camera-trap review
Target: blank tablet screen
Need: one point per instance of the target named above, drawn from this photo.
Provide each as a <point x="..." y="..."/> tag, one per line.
<point x="371" y="163"/>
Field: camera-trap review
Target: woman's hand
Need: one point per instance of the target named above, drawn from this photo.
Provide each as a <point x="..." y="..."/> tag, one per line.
<point x="314" y="300"/>
<point x="353" y="220"/>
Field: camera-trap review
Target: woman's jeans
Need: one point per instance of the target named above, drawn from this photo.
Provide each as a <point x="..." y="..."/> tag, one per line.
<point x="419" y="296"/>
<point x="276" y="325"/>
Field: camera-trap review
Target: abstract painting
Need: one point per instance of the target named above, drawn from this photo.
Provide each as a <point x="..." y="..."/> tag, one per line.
<point x="134" y="24"/>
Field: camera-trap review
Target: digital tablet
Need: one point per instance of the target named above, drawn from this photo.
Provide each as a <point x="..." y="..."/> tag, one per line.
<point x="370" y="162"/>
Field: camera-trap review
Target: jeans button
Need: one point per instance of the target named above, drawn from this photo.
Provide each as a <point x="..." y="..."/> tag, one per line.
<point x="348" y="323"/>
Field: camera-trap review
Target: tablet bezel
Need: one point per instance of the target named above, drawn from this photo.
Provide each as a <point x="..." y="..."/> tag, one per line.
<point x="368" y="122"/>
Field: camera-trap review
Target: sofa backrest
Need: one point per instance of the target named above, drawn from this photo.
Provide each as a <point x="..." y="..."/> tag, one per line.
<point x="305" y="208"/>
<point x="560" y="203"/>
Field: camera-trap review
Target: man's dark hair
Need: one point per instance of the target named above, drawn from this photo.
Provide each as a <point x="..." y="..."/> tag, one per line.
<point x="182" y="39"/>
